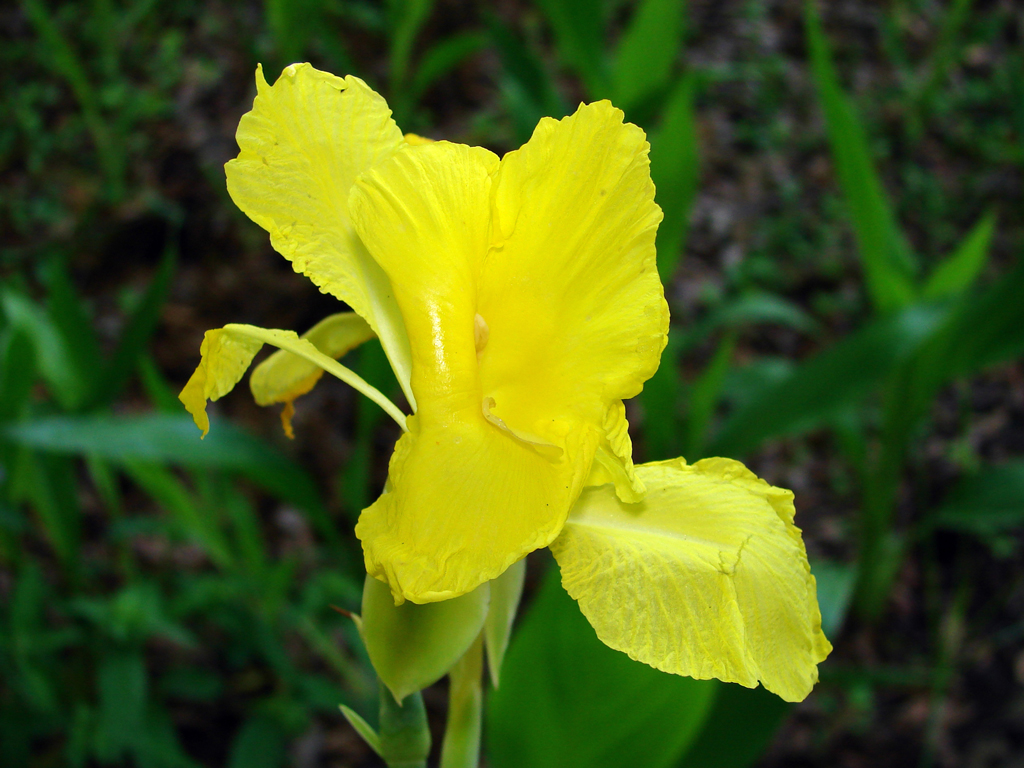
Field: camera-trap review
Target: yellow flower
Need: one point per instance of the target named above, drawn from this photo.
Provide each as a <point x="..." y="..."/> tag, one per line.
<point x="518" y="302"/>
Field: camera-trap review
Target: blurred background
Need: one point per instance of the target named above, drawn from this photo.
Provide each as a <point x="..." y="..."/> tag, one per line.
<point x="841" y="251"/>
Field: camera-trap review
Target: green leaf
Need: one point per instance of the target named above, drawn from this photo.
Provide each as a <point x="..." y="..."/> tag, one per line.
<point x="527" y="89"/>
<point x="506" y="591"/>
<point x="675" y="166"/>
<point x="750" y="308"/>
<point x="51" y="352"/>
<point x="987" y="329"/>
<point x="569" y="701"/>
<point x="835" y="589"/>
<point x="441" y="59"/>
<point x="660" y="399"/>
<point x="161" y="438"/>
<point x="738" y="729"/>
<point x="50" y="484"/>
<point x="362" y="727"/>
<point x="824" y="385"/>
<point x="985" y="503"/>
<point x="705" y="396"/>
<point x="412" y="646"/>
<point x="61" y="57"/>
<point x="461" y="745"/>
<point x="192" y="521"/>
<point x="647" y="51"/>
<point x="260" y="743"/>
<point x="17" y="374"/>
<point x="959" y="271"/>
<point x="138" y="331"/>
<point x="29" y="598"/>
<point x="579" y="37"/>
<point x="409" y="18"/>
<point x="121" y="680"/>
<point x="885" y="255"/>
<point x="404" y="735"/>
<point x="69" y="316"/>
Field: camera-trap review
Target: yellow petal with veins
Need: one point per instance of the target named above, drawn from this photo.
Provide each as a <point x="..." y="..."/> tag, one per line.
<point x="533" y="306"/>
<point x="227" y="352"/>
<point x="570" y="290"/>
<point x="706" y="577"/>
<point x="284" y="376"/>
<point x="306" y="139"/>
<point x="467" y="497"/>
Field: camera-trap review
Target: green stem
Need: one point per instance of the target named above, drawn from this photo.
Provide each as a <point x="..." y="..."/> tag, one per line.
<point x="461" y="746"/>
<point x="404" y="735"/>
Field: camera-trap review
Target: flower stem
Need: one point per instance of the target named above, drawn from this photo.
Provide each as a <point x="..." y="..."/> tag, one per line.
<point x="404" y="735"/>
<point x="461" y="746"/>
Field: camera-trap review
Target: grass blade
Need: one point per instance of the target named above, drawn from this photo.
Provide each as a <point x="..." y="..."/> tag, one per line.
<point x="528" y="91"/>
<point x="675" y="166"/>
<point x="647" y="52"/>
<point x="959" y="271"/>
<point x="885" y="255"/>
<point x="173" y="439"/>
<point x="441" y="59"/>
<point x="137" y="333"/>
<point x="985" y="503"/>
<point x="828" y="382"/>
<point x="579" y="36"/>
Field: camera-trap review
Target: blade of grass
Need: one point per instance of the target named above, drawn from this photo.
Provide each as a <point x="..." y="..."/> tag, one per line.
<point x="62" y="58"/>
<point x="675" y="166"/>
<point x="67" y="312"/>
<point x="578" y="26"/>
<point x="408" y="16"/>
<point x="170" y="439"/>
<point x="17" y="374"/>
<point x="528" y="91"/>
<point x="647" y="52"/>
<point x="191" y="519"/>
<point x="989" y="501"/>
<point x="441" y="59"/>
<point x="962" y="267"/>
<point x="48" y="484"/>
<point x="137" y="333"/>
<point x="661" y="398"/>
<point x="705" y="396"/>
<point x="52" y="357"/>
<point x="885" y="255"/>
<point x="822" y="386"/>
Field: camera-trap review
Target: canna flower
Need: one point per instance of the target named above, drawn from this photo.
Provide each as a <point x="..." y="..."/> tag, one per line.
<point x="518" y="302"/>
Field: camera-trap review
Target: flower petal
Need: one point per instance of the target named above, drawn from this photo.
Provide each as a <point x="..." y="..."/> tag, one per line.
<point x="467" y="496"/>
<point x="570" y="291"/>
<point x="614" y="458"/>
<point x="707" y="577"/>
<point x="306" y="139"/>
<point x="284" y="376"/>
<point x="227" y="352"/>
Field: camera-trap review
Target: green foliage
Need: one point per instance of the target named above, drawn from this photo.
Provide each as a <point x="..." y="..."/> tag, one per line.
<point x="568" y="700"/>
<point x="647" y="52"/>
<point x="143" y="574"/>
<point x="888" y="262"/>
